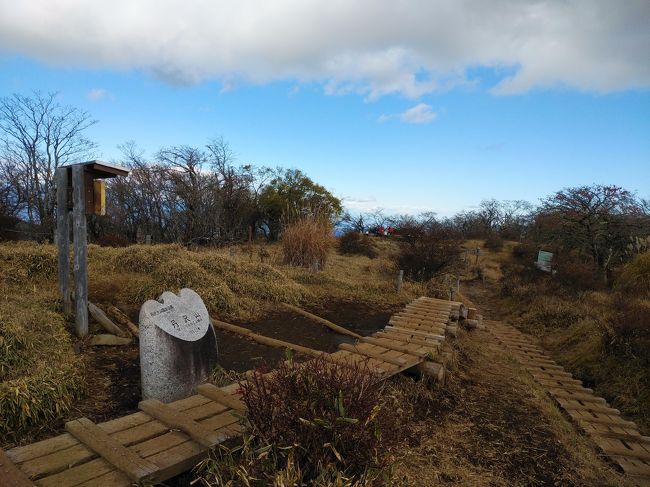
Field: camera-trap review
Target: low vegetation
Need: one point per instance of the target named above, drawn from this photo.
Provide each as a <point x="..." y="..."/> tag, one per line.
<point x="354" y="242"/>
<point x="601" y="335"/>
<point x="40" y="376"/>
<point x="316" y="423"/>
<point x="307" y="242"/>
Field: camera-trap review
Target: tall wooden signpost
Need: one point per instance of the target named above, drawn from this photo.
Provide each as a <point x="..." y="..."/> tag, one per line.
<point x="80" y="191"/>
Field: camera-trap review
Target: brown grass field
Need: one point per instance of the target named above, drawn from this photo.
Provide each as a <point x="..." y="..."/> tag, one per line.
<point x="490" y="424"/>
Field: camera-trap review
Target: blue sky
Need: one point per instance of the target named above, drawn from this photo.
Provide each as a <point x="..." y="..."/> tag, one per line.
<point x="401" y="124"/>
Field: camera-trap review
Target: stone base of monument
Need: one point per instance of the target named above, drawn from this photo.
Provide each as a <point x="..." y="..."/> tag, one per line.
<point x="178" y="347"/>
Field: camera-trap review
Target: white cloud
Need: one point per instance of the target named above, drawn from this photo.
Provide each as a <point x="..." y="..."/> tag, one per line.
<point x="96" y="94"/>
<point x="420" y="113"/>
<point x="369" y="47"/>
<point x="360" y="204"/>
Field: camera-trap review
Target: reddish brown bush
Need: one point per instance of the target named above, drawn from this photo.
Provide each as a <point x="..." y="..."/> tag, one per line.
<point x="113" y="240"/>
<point x="429" y="254"/>
<point x="525" y="252"/>
<point x="355" y="243"/>
<point x="494" y="243"/>
<point x="575" y="275"/>
<point x="331" y="416"/>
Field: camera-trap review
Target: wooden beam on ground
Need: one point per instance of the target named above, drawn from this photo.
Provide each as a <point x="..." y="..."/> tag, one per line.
<point x="111" y="450"/>
<point x="105" y="321"/>
<point x="274" y="342"/>
<point x="109" y="340"/>
<point x="10" y="475"/>
<point x="123" y="320"/>
<point x="218" y="395"/>
<point x="322" y="321"/>
<point x="271" y="342"/>
<point x="176" y="420"/>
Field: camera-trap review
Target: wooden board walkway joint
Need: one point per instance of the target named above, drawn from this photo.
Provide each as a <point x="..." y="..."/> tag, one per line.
<point x="163" y="440"/>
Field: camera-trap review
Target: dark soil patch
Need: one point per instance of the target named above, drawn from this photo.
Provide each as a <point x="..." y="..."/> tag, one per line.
<point x="359" y="318"/>
<point x="239" y="353"/>
<point x="112" y="374"/>
<point x="113" y="382"/>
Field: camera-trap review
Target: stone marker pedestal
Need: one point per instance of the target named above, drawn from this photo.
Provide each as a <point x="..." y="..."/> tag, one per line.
<point x="178" y="347"/>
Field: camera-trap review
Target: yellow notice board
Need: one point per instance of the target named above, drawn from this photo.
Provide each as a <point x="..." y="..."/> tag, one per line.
<point x="99" y="190"/>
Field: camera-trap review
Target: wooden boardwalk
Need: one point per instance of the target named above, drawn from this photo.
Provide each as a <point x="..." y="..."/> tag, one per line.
<point x="618" y="439"/>
<point x="164" y="440"/>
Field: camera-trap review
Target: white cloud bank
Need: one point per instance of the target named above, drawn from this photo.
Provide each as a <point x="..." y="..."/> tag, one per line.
<point x="371" y="47"/>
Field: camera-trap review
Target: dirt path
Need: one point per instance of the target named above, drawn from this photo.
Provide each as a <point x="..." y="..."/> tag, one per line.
<point x="493" y="426"/>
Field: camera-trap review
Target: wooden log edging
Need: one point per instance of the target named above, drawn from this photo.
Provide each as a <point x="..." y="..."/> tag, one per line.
<point x="105" y="321"/>
<point x="323" y="321"/>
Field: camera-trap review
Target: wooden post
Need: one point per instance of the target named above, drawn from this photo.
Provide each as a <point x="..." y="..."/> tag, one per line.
<point x="63" y="237"/>
<point x="400" y="278"/>
<point x="80" y="250"/>
<point x="250" y="243"/>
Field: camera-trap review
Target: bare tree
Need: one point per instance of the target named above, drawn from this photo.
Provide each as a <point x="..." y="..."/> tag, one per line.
<point x="37" y="135"/>
<point x="597" y="220"/>
<point x="356" y="222"/>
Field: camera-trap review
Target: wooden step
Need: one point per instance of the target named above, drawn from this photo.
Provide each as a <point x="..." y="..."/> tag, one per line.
<point x="127" y="461"/>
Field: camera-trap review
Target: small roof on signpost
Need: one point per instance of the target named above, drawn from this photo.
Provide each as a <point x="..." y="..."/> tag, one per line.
<point x="102" y="170"/>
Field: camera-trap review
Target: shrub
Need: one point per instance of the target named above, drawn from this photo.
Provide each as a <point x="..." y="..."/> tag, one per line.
<point x="356" y="243"/>
<point x="429" y="254"/>
<point x="634" y="278"/>
<point x="330" y="417"/>
<point x="493" y="243"/>
<point x="113" y="240"/>
<point x="525" y="251"/>
<point x="627" y="331"/>
<point x="551" y="313"/>
<point x="307" y="242"/>
<point x="575" y="275"/>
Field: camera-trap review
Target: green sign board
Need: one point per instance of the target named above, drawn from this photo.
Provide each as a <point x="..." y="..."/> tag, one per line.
<point x="544" y="260"/>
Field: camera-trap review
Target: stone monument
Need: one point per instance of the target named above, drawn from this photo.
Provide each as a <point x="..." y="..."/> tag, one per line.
<point x="178" y="347"/>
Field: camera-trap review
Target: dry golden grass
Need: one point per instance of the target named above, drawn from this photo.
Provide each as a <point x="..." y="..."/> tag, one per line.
<point x="308" y="242"/>
<point x="489" y="261"/>
<point x="40" y="375"/>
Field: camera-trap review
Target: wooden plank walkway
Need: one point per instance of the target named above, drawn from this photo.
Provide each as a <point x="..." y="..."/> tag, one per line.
<point x="618" y="439"/>
<point x="164" y="440"/>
